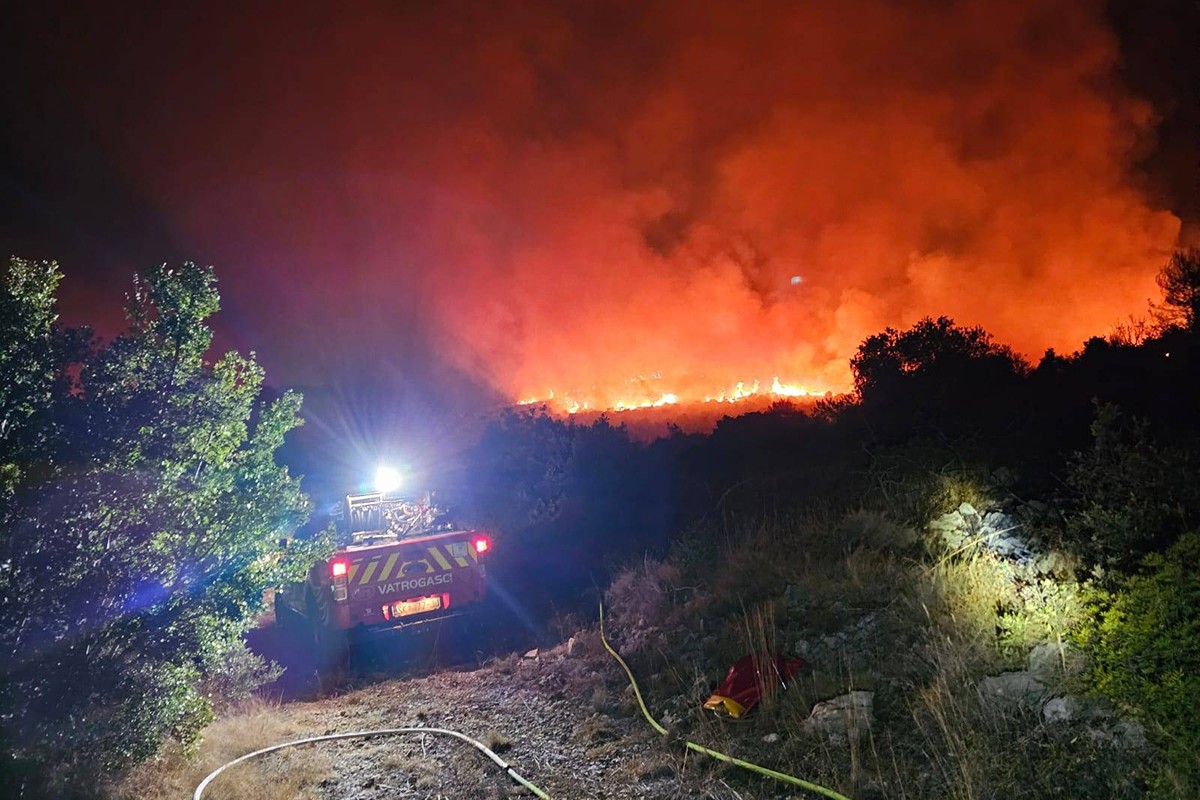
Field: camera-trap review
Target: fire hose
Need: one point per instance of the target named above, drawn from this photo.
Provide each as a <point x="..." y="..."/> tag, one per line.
<point x="699" y="748"/>
<point x="480" y="746"/>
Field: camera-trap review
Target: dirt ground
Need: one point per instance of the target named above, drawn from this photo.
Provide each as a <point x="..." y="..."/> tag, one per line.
<point x="563" y="718"/>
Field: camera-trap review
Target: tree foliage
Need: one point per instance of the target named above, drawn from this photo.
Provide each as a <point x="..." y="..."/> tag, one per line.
<point x="140" y="525"/>
<point x="27" y="359"/>
<point x="517" y="472"/>
<point x="1179" y="280"/>
<point x="939" y="381"/>
<point x="933" y="348"/>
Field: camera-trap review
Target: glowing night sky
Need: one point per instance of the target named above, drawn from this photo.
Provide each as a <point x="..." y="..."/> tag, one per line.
<point x="493" y="201"/>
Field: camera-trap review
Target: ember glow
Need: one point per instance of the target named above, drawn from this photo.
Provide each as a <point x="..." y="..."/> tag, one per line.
<point x="605" y="205"/>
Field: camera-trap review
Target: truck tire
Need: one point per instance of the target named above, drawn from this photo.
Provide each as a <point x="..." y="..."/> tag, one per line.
<point x="331" y="645"/>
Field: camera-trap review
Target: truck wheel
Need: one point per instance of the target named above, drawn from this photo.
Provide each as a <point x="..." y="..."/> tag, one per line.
<point x="331" y="646"/>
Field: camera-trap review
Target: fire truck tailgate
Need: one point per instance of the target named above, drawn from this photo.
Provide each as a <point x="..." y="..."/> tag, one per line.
<point x="407" y="581"/>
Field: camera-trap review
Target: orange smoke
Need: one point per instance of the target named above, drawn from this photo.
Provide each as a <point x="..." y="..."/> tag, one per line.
<point x="639" y="204"/>
<point x="777" y="184"/>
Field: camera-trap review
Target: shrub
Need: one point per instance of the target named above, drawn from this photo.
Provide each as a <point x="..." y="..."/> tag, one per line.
<point x="1132" y="495"/>
<point x="1144" y="649"/>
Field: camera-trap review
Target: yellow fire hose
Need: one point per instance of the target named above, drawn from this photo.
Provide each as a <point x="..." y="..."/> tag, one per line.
<point x="699" y="748"/>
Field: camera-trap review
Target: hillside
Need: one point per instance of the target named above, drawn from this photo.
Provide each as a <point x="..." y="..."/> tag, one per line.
<point x="906" y="692"/>
<point x="988" y="568"/>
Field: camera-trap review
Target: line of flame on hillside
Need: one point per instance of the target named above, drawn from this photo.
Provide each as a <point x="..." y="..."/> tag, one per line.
<point x="646" y="394"/>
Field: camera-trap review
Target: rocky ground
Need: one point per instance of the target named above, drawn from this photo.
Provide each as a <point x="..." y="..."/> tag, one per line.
<point x="563" y="718"/>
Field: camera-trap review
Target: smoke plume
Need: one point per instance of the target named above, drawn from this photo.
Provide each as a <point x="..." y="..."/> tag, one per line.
<point x="614" y="202"/>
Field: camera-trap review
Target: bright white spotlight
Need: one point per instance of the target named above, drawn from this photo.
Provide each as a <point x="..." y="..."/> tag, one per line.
<point x="387" y="479"/>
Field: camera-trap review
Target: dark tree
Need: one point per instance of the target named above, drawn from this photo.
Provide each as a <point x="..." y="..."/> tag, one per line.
<point x="1179" y="280"/>
<point x="931" y="347"/>
<point x="940" y="381"/>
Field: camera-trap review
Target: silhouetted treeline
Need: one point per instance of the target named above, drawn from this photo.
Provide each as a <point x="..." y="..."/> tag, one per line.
<point x="572" y="501"/>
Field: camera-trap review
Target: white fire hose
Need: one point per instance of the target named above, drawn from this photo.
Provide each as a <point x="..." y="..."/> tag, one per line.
<point x="512" y="773"/>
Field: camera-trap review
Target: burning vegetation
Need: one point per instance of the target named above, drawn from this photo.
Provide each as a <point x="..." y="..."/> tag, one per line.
<point x="643" y="393"/>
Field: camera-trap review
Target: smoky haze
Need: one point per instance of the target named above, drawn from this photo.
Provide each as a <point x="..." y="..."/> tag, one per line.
<point x="617" y="202"/>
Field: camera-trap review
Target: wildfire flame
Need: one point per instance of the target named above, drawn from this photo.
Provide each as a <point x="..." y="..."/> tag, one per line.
<point x="644" y="393"/>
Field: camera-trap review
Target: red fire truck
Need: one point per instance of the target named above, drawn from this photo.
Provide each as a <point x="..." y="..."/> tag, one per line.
<point x="403" y="564"/>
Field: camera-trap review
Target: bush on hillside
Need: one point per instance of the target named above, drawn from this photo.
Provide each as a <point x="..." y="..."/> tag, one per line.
<point x="1131" y="495"/>
<point x="1144" y="649"/>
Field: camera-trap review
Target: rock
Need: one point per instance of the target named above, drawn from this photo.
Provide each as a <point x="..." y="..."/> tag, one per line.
<point x="1124" y="735"/>
<point x="1070" y="708"/>
<point x="866" y="624"/>
<point x="1130" y="735"/>
<point x="1045" y="660"/>
<point x="771" y="738"/>
<point x="1001" y="534"/>
<point x="999" y="521"/>
<point x="952" y="529"/>
<point x="968" y="512"/>
<point x="1059" y="709"/>
<point x="951" y="521"/>
<point x="1008" y="546"/>
<point x="531" y="653"/>
<point x="1017" y="687"/>
<point x="570" y="645"/>
<point x="850" y="713"/>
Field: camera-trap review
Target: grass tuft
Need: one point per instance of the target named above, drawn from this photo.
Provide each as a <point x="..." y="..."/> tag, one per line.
<point x="291" y="774"/>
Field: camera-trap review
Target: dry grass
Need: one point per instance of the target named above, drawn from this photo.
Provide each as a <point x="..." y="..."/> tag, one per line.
<point x="287" y="775"/>
<point x="422" y="772"/>
<point x="939" y="624"/>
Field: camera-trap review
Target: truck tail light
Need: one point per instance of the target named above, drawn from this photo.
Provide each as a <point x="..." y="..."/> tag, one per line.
<point x="339" y="570"/>
<point x="480" y="544"/>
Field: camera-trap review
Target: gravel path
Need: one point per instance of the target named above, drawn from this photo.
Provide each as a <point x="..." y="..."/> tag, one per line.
<point x="559" y="720"/>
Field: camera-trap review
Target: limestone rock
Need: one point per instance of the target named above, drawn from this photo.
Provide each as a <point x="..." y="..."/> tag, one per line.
<point x="849" y="713"/>
<point x="1050" y="662"/>
<point x="1070" y="708"/>
<point x="1023" y="688"/>
<point x="1045" y="659"/>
